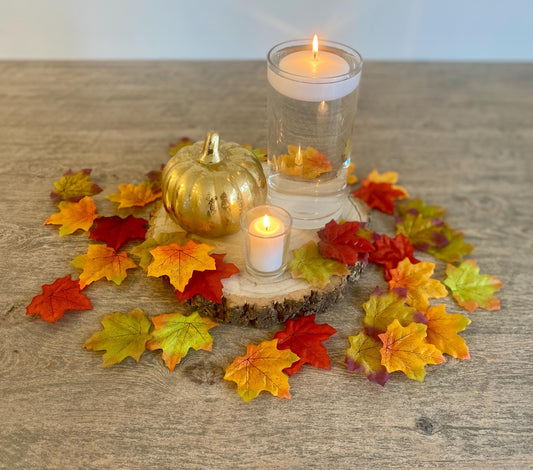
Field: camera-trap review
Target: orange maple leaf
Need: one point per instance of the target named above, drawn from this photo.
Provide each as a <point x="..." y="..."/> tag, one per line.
<point x="130" y="195"/>
<point x="442" y="329"/>
<point x="416" y="279"/>
<point x="179" y="262"/>
<point x="102" y="261"/>
<point x="308" y="163"/>
<point x="405" y="349"/>
<point x="261" y="369"/>
<point x="74" y="215"/>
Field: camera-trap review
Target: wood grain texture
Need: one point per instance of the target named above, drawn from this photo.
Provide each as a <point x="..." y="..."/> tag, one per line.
<point x="460" y="135"/>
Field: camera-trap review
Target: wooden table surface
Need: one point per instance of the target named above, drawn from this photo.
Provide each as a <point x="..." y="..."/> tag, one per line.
<point x="460" y="135"/>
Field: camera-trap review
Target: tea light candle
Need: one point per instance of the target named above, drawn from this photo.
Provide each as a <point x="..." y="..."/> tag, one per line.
<point x="266" y="235"/>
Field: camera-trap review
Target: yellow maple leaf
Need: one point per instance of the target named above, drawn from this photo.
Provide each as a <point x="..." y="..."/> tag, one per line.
<point x="179" y="262"/>
<point x="442" y="329"/>
<point x="308" y="163"/>
<point x="416" y="279"/>
<point x="102" y="261"/>
<point x="130" y="195"/>
<point x="261" y="369"/>
<point x="405" y="349"/>
<point x="74" y="216"/>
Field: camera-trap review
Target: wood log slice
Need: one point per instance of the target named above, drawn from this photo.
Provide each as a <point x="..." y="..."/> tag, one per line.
<point x="262" y="303"/>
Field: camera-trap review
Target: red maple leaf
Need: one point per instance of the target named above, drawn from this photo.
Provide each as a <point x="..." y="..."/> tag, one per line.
<point x="116" y="231"/>
<point x="340" y="242"/>
<point x="208" y="283"/>
<point x="379" y="196"/>
<point x="390" y="251"/>
<point x="304" y="338"/>
<point x="64" y="294"/>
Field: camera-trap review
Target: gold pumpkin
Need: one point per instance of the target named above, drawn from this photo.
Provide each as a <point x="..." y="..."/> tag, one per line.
<point x="207" y="186"/>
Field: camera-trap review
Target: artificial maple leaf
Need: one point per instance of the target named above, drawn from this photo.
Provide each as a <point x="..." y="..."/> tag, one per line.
<point x="74" y="216"/>
<point x="390" y="251"/>
<point x="175" y="334"/>
<point x="379" y="196"/>
<point x="175" y="147"/>
<point x="155" y="176"/>
<point x="179" y="262"/>
<point x="101" y="261"/>
<point x="309" y="265"/>
<point x="123" y="335"/>
<point x="364" y="355"/>
<point x="351" y="177"/>
<point x="261" y="369"/>
<point x="340" y="242"/>
<point x="381" y="309"/>
<point x="442" y="329"/>
<point x="417" y="206"/>
<point x="208" y="284"/>
<point x="74" y="186"/>
<point x="406" y="349"/>
<point x="416" y="279"/>
<point x="308" y="163"/>
<point x="130" y="195"/>
<point x="142" y="251"/>
<point x="471" y="289"/>
<point x="62" y="295"/>
<point x="304" y="338"/>
<point x="455" y="249"/>
<point x="261" y="154"/>
<point x="422" y="232"/>
<point x="116" y="231"/>
<point x="388" y="177"/>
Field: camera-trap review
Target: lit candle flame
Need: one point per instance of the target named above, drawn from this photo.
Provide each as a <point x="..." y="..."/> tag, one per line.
<point x="266" y="222"/>
<point x="315" y="47"/>
<point x="298" y="161"/>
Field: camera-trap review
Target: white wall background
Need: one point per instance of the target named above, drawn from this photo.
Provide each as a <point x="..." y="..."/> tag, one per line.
<point x="480" y="30"/>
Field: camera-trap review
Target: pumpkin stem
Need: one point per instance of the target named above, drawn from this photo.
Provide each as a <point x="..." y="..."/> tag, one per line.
<point x="210" y="154"/>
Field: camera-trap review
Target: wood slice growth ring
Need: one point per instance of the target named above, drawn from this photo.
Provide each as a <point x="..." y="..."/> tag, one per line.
<point x="251" y="301"/>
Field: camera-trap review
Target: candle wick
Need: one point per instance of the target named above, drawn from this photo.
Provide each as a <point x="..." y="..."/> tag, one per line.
<point x="315" y="53"/>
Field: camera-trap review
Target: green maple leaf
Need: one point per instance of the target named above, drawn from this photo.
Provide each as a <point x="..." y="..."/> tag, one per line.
<point x="309" y="265"/>
<point x="74" y="186"/>
<point x="123" y="335"/>
<point x="175" y="334"/>
<point x="428" y="212"/>
<point x="364" y="355"/>
<point x="422" y="232"/>
<point x="471" y="289"/>
<point x="142" y="251"/>
<point x="455" y="249"/>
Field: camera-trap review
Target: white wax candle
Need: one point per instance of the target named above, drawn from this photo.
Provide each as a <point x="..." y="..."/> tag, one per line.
<point x="313" y="76"/>
<point x="266" y="244"/>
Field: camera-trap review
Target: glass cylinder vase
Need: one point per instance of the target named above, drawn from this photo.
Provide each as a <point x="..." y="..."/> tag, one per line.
<point x="312" y="103"/>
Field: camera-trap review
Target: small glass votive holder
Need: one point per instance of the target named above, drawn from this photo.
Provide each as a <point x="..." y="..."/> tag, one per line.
<point x="266" y="230"/>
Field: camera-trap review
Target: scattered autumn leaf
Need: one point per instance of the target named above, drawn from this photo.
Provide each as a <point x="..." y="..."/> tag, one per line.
<point x="74" y="216"/>
<point x="142" y="251"/>
<point x="304" y="338"/>
<point x="390" y="251"/>
<point x="379" y="196"/>
<point x="416" y="279"/>
<point x="123" y="335"/>
<point x="309" y="265"/>
<point x="405" y="349"/>
<point x="175" y="334"/>
<point x="442" y="329"/>
<point x="422" y="232"/>
<point x="208" y="284"/>
<point x="364" y="355"/>
<point x="260" y="153"/>
<point x="130" y="195"/>
<point x="382" y="308"/>
<point x="340" y="242"/>
<point x="455" y="249"/>
<point x="115" y="231"/>
<point x="308" y="163"/>
<point x="177" y="146"/>
<point x="102" y="261"/>
<point x="262" y="369"/>
<point x="74" y="186"/>
<point x="179" y="262"/>
<point x="470" y="289"/>
<point x="417" y="206"/>
<point x="155" y="176"/>
<point x="62" y="295"/>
